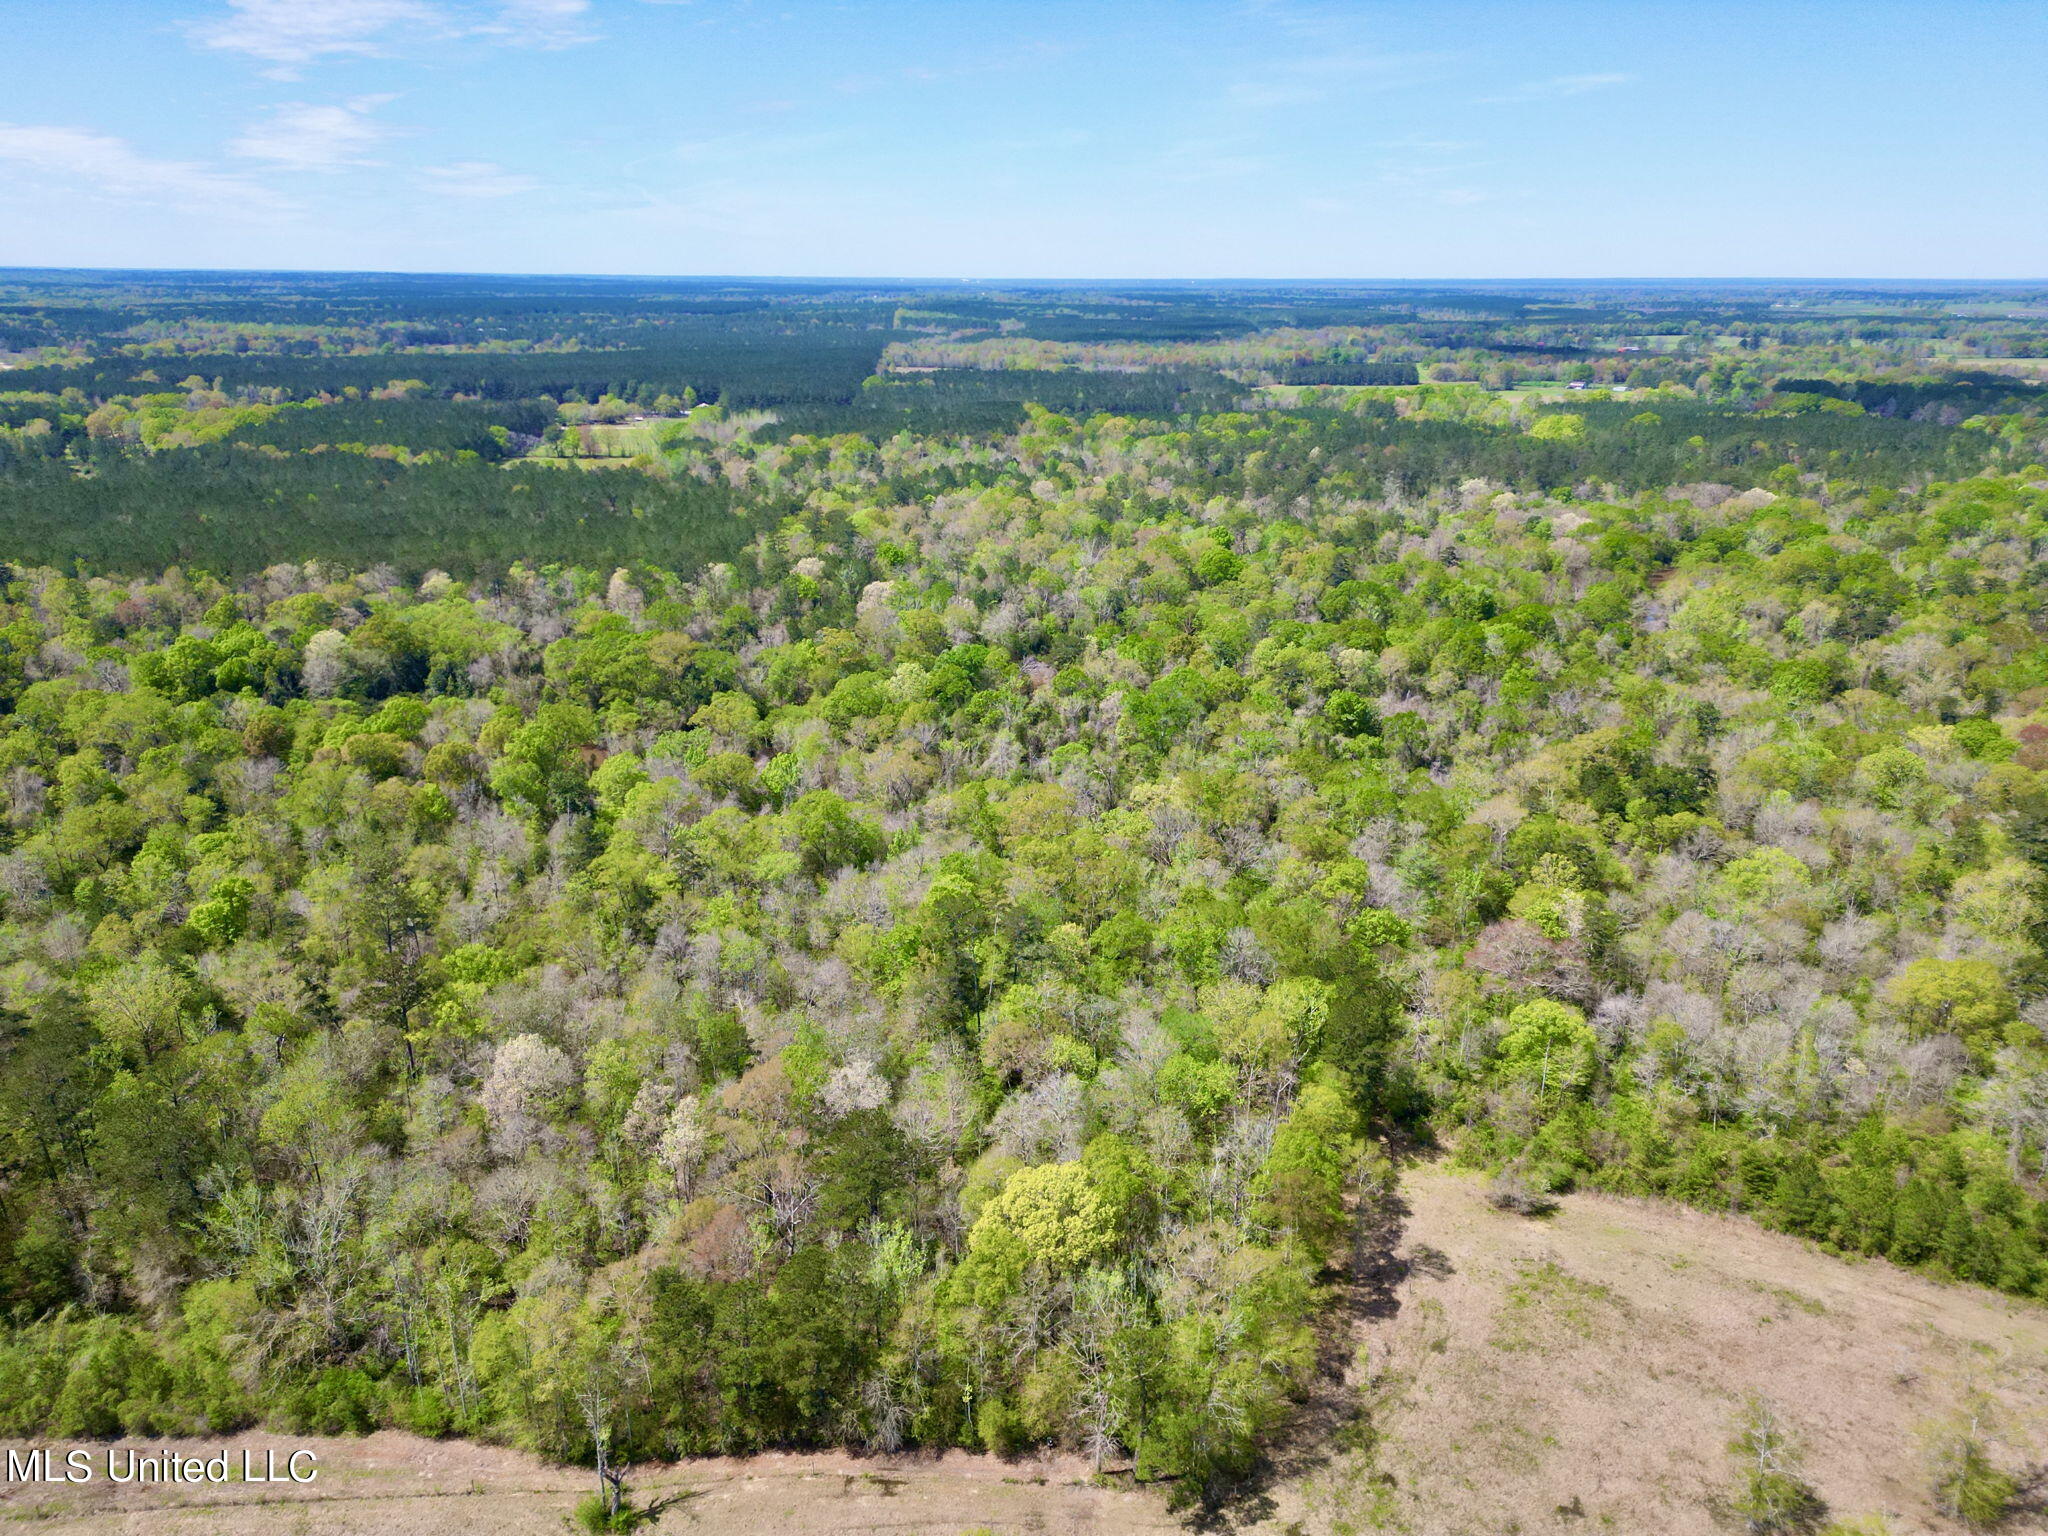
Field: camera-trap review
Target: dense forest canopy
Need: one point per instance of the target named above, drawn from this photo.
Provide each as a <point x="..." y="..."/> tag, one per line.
<point x="702" y="867"/>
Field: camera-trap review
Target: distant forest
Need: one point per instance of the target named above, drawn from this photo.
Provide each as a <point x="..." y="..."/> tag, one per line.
<point x="231" y="423"/>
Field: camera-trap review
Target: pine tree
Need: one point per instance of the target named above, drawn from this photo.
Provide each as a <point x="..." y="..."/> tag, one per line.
<point x="1800" y="1201"/>
<point x="1917" y="1222"/>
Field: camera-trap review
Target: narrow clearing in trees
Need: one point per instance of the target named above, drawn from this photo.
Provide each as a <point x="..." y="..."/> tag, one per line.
<point x="1579" y="1373"/>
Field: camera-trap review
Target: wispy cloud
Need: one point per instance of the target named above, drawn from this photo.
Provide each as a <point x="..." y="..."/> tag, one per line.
<point x="1314" y="23"/>
<point x="1261" y="95"/>
<point x="479" y="179"/>
<point x="1559" y="86"/>
<point x="300" y="136"/>
<point x="1052" y="141"/>
<point x="290" y="33"/>
<point x="111" y="167"/>
<point x="1408" y="172"/>
<point x="1023" y="54"/>
<point x="540" y="23"/>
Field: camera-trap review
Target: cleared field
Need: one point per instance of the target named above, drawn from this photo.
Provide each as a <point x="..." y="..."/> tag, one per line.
<point x="1300" y="394"/>
<point x="1580" y="1373"/>
<point x="1584" y="1372"/>
<point x="621" y="440"/>
<point x="609" y="443"/>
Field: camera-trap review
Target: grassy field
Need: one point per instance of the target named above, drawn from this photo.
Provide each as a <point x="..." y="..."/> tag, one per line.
<point x="621" y="440"/>
<point x="609" y="442"/>
<point x="1584" y="1372"/>
<point x="1325" y="394"/>
<point x="1497" y="1376"/>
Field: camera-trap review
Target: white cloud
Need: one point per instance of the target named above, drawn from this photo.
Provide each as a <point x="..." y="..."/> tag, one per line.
<point x="475" y="178"/>
<point x="1317" y="24"/>
<point x="300" y="136"/>
<point x="289" y="34"/>
<point x="111" y="167"/>
<point x="1560" y="86"/>
<point x="1436" y="170"/>
<point x="541" y="23"/>
<point x="293" y="32"/>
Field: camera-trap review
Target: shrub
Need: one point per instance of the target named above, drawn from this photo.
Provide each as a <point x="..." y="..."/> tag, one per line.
<point x="1512" y="1191"/>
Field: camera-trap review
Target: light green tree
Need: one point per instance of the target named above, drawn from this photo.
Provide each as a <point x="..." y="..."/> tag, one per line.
<point x="1052" y="1212"/>
<point x="1549" y="1045"/>
<point x="1954" y="997"/>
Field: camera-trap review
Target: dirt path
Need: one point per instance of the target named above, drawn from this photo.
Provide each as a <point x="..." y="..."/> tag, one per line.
<point x="1583" y="1373"/>
<point x="391" y="1484"/>
<point x="1577" y="1374"/>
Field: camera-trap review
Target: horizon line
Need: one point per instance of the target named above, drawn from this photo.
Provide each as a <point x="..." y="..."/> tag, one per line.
<point x="879" y="279"/>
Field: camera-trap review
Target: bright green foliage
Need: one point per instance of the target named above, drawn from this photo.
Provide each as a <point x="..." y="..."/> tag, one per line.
<point x="1967" y="998"/>
<point x="1052" y="1215"/>
<point x="1549" y="1047"/>
<point x="224" y="916"/>
<point x="856" y="697"/>
<point x="1559" y="427"/>
<point x="1315" y="1152"/>
<point x="1759" y="879"/>
<point x="1201" y="1090"/>
<point x="1968" y="1485"/>
<point x="829" y="836"/>
<point x="1890" y="776"/>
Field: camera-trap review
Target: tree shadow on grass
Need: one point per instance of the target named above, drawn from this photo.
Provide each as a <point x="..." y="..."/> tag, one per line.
<point x="645" y="1516"/>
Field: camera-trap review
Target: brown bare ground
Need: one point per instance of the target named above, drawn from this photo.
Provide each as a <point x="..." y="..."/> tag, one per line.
<point x="392" y="1484"/>
<point x="1580" y="1373"/>
<point x="1583" y="1372"/>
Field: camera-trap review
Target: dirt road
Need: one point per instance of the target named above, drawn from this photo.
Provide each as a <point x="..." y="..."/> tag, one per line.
<point x="390" y="1484"/>
<point x="1576" y="1374"/>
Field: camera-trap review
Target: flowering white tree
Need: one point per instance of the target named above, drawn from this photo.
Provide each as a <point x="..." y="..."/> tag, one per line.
<point x="683" y="1143"/>
<point x="528" y="1078"/>
<point x="857" y="1085"/>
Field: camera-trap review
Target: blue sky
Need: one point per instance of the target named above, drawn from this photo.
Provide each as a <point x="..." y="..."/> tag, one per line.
<point x="991" y="138"/>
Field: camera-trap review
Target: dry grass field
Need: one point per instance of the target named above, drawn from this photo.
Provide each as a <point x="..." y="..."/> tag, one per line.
<point x="391" y="1484"/>
<point x="1580" y="1373"/>
<point x="1584" y="1372"/>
